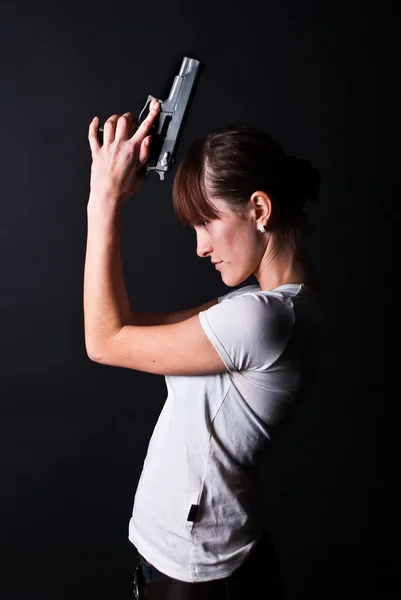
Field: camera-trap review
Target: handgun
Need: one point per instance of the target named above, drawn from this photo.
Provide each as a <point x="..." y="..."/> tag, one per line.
<point x="168" y="127"/>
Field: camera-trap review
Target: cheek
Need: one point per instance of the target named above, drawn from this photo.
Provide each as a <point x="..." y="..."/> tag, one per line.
<point x="230" y="238"/>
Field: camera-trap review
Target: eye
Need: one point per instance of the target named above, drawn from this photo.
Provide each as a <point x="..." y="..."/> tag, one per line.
<point x="202" y="224"/>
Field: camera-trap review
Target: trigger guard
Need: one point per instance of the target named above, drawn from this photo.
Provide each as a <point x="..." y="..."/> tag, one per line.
<point x="142" y="114"/>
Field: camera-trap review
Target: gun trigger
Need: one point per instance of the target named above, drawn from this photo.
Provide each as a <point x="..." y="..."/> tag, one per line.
<point x="142" y="115"/>
<point x="144" y="112"/>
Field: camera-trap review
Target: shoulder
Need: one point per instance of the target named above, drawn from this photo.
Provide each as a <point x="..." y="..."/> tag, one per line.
<point x="249" y="327"/>
<point x="250" y="313"/>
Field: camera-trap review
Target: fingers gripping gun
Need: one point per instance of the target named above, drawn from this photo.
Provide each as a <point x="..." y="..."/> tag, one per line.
<point x="168" y="128"/>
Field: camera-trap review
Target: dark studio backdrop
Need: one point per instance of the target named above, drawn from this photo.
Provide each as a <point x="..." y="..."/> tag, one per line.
<point x="323" y="79"/>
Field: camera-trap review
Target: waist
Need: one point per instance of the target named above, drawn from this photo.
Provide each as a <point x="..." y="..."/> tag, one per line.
<point x="261" y="553"/>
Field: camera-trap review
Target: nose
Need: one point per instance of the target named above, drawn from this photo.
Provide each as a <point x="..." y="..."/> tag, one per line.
<point x="203" y="245"/>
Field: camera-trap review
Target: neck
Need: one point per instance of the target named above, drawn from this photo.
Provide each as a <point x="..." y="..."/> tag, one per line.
<point x="284" y="266"/>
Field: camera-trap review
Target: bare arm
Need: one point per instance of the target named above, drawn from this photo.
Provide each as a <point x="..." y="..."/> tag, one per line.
<point x="167" y="318"/>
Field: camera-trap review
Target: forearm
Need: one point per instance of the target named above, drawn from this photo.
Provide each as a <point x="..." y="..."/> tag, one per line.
<point x="106" y="304"/>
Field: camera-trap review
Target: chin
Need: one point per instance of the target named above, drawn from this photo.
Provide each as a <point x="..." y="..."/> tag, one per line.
<point x="233" y="281"/>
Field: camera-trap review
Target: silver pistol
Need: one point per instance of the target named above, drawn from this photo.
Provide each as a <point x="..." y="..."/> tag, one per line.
<point x="168" y="126"/>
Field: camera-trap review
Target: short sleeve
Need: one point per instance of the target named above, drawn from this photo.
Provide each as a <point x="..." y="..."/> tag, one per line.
<point x="249" y="331"/>
<point x="241" y="290"/>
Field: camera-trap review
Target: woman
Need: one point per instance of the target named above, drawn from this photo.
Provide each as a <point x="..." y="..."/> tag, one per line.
<point x="235" y="367"/>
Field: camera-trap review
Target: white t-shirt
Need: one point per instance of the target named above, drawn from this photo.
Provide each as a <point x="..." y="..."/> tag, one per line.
<point x="198" y="508"/>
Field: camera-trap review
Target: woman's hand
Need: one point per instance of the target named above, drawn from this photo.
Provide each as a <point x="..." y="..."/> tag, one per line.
<point x="115" y="165"/>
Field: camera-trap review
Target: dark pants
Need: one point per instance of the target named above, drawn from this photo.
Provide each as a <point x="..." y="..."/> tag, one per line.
<point x="257" y="578"/>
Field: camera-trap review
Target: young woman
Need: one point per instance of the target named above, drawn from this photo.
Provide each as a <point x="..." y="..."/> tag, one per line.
<point x="235" y="367"/>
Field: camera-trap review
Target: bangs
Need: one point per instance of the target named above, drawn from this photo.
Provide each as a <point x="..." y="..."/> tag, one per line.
<point x="190" y="201"/>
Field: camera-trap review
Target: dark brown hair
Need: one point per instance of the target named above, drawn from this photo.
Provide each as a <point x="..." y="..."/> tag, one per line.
<point x="232" y="163"/>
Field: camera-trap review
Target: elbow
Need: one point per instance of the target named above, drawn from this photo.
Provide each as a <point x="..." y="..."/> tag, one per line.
<point x="93" y="355"/>
<point x="94" y="359"/>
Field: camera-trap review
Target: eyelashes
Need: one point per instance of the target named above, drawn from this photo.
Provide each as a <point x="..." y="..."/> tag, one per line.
<point x="201" y="224"/>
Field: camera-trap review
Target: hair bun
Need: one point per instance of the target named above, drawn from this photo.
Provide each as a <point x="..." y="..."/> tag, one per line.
<point x="304" y="180"/>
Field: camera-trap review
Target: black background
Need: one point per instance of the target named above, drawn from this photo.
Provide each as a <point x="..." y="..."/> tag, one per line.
<point x="323" y="79"/>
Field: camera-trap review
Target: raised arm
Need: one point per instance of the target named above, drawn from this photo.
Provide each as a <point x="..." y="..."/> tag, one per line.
<point x="167" y="318"/>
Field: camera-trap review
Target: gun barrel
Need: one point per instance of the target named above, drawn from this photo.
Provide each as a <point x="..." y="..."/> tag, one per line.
<point x="172" y="116"/>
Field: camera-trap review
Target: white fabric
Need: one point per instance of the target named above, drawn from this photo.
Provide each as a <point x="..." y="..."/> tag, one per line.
<point x="213" y="428"/>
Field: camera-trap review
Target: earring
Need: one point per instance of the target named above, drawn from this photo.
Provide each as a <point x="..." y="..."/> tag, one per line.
<point x="261" y="228"/>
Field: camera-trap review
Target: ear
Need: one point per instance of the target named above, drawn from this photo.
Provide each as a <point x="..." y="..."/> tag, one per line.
<point x="262" y="204"/>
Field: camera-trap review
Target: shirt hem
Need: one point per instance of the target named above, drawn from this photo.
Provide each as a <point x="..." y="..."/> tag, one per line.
<point x="210" y="573"/>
